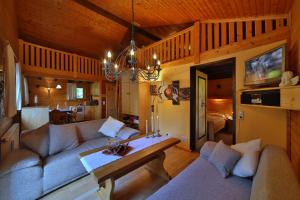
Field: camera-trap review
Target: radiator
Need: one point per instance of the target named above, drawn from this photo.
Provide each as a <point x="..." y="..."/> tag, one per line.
<point x="10" y="140"/>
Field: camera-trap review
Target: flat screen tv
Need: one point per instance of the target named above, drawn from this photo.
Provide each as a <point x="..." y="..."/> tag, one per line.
<point x="265" y="69"/>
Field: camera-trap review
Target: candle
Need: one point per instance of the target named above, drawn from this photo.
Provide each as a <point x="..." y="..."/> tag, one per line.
<point x="152" y="124"/>
<point x="35" y="99"/>
<point x="157" y="121"/>
<point x="146" y="128"/>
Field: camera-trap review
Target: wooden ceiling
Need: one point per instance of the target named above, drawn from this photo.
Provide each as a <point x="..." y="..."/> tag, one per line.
<point x="71" y="26"/>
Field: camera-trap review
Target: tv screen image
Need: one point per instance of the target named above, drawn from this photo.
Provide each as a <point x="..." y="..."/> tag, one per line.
<point x="266" y="68"/>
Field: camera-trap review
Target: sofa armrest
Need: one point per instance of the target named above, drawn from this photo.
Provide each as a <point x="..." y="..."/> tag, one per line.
<point x="17" y="160"/>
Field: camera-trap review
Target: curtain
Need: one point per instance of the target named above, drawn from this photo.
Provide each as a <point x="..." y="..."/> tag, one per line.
<point x="11" y="81"/>
<point x="18" y="87"/>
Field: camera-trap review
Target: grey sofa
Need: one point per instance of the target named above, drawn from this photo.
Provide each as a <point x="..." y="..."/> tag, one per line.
<point x="29" y="173"/>
<point x="274" y="180"/>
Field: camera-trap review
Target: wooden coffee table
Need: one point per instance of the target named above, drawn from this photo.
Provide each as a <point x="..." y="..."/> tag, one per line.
<point x="152" y="156"/>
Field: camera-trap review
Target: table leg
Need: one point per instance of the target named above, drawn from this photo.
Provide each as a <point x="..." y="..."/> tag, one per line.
<point x="106" y="189"/>
<point x="156" y="166"/>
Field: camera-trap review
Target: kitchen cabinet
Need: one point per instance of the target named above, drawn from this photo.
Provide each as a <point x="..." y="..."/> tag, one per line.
<point x="92" y="112"/>
<point x="95" y="89"/>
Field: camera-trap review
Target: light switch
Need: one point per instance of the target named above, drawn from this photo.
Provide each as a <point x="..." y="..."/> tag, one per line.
<point x="241" y="115"/>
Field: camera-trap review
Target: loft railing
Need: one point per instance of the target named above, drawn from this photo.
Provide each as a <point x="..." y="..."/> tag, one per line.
<point x="42" y="61"/>
<point x="178" y="46"/>
<point x="208" y="36"/>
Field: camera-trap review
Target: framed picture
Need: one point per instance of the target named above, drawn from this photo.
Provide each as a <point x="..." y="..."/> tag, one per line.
<point x="175" y="92"/>
<point x="184" y="94"/>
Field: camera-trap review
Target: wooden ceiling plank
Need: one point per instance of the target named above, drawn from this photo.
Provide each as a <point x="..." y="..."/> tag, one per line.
<point x="114" y="18"/>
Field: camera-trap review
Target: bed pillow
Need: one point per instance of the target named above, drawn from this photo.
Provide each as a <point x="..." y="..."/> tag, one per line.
<point x="127" y="132"/>
<point x="111" y="127"/>
<point x="224" y="158"/>
<point x="217" y="114"/>
<point x="247" y="165"/>
<point x="37" y="140"/>
<point x="62" y="138"/>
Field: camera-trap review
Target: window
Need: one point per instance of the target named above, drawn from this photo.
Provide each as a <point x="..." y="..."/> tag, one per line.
<point x="79" y="93"/>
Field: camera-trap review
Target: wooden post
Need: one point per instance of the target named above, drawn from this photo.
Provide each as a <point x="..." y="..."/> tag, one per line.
<point x="196" y="43"/>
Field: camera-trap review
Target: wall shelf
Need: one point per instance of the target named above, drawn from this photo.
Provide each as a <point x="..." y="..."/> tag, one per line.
<point x="289" y="97"/>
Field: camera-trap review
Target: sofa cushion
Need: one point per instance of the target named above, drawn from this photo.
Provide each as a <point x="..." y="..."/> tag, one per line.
<point x="66" y="166"/>
<point x="89" y="129"/>
<point x="248" y="163"/>
<point x="127" y="132"/>
<point x="37" y="140"/>
<point x="18" y="160"/>
<point x="62" y="137"/>
<point x="207" y="149"/>
<point x="201" y="180"/>
<point x="275" y="178"/>
<point x="25" y="184"/>
<point x="224" y="158"/>
<point x="111" y="127"/>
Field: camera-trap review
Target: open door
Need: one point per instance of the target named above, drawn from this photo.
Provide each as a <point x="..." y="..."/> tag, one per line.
<point x="201" y="99"/>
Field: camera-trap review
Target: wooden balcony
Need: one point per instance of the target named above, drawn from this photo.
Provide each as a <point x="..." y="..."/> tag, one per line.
<point x="42" y="61"/>
<point x="209" y="39"/>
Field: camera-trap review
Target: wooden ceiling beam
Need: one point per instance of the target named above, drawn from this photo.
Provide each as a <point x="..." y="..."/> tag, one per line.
<point x="104" y="13"/>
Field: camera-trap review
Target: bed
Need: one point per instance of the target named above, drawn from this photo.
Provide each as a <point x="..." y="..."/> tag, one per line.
<point x="215" y="122"/>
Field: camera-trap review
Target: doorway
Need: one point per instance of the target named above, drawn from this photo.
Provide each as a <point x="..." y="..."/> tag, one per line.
<point x="218" y="122"/>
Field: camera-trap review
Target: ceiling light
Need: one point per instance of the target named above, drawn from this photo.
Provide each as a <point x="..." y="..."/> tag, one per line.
<point x="58" y="86"/>
<point x="127" y="60"/>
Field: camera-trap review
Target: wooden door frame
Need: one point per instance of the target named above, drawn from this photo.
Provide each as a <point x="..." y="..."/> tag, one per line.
<point x="193" y="102"/>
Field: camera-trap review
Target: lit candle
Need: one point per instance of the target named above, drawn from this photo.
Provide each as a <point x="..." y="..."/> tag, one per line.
<point x="109" y="55"/>
<point x="146" y="128"/>
<point x="116" y="68"/>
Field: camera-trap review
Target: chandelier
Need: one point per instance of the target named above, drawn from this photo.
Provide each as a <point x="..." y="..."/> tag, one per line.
<point x="127" y="60"/>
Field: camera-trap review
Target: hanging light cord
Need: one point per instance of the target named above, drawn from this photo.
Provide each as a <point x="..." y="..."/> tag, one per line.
<point x="132" y="20"/>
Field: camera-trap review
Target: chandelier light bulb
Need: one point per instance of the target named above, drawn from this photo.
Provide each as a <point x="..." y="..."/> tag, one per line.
<point x="148" y="67"/>
<point x="104" y="61"/>
<point x="132" y="52"/>
<point x="154" y="56"/>
<point x="158" y="62"/>
<point x="116" y="66"/>
<point x="109" y="55"/>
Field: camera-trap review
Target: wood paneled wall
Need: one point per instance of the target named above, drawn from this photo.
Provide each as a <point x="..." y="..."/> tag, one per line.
<point x="220" y="89"/>
<point x="39" y="87"/>
<point x="220" y="106"/>
<point x="8" y="24"/>
<point x="294" y="62"/>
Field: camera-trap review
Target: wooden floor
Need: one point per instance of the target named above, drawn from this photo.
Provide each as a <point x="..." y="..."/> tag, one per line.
<point x="140" y="183"/>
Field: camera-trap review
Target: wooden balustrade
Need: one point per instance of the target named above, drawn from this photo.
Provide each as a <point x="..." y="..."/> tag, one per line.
<point x="208" y="36"/>
<point x="178" y="46"/>
<point x="42" y="61"/>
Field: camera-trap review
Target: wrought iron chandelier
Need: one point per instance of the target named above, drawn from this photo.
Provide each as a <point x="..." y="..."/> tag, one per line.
<point x="127" y="60"/>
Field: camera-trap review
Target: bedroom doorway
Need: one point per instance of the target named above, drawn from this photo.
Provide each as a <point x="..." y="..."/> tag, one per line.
<point x="220" y="103"/>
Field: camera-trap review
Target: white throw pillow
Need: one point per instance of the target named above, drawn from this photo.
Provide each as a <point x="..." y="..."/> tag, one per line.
<point x="248" y="163"/>
<point x="111" y="127"/>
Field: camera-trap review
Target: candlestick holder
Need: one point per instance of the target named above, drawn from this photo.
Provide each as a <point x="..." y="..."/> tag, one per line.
<point x="147" y="136"/>
<point x="158" y="133"/>
<point x="153" y="134"/>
